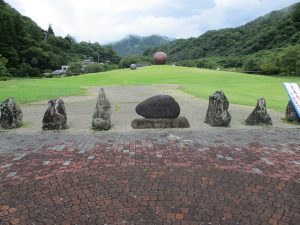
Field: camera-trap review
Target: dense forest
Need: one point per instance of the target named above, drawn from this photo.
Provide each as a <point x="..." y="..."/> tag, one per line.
<point x="269" y="44"/>
<point x="136" y="45"/>
<point x="27" y="50"/>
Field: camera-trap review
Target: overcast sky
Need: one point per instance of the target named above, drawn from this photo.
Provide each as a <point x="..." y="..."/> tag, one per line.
<point x="106" y="21"/>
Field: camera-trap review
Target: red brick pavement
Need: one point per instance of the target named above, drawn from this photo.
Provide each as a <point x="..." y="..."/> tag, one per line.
<point x="245" y="177"/>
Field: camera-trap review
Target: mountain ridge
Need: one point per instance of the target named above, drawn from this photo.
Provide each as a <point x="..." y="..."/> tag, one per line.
<point x="274" y="30"/>
<point x="135" y="45"/>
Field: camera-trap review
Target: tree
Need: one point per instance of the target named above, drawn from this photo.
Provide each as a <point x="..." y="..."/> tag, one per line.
<point x="269" y="69"/>
<point x="29" y="49"/>
<point x="133" y="59"/>
<point x="76" y="68"/>
<point x="50" y="30"/>
<point x="70" y="40"/>
<point x="251" y="65"/>
<point x="25" y="70"/>
<point x="94" y="68"/>
<point x="3" y="69"/>
<point x="290" y="60"/>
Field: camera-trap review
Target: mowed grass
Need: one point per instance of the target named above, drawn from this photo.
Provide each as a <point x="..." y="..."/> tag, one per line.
<point x="240" y="88"/>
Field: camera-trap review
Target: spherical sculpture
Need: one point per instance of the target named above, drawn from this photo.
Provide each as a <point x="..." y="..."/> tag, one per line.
<point x="160" y="58"/>
<point x="133" y="66"/>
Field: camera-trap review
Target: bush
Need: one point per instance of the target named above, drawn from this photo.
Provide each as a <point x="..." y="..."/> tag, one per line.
<point x="13" y="71"/>
<point x="47" y="71"/>
<point x="94" y="68"/>
<point x="75" y="68"/>
<point x="270" y="69"/>
<point x="132" y="59"/>
<point x="108" y="67"/>
<point x="25" y="70"/>
<point x="3" y="69"/>
<point x="49" y="75"/>
<point x="5" y="78"/>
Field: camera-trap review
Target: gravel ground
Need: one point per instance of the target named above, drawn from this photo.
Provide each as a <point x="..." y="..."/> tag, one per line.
<point x="125" y="98"/>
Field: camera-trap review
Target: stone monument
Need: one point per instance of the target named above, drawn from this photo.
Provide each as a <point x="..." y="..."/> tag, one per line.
<point x="159" y="106"/>
<point x="102" y="113"/>
<point x="259" y="116"/>
<point x="11" y="115"/>
<point x="55" y="117"/>
<point x="291" y="114"/>
<point x="160" y="111"/>
<point x="217" y="114"/>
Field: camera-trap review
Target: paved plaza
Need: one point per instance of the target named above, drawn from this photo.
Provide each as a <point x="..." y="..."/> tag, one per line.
<point x="219" y="176"/>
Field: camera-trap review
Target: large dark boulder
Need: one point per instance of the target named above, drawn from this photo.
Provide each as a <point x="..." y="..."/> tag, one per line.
<point x="11" y="115"/>
<point x="158" y="106"/>
<point x="217" y="114"/>
<point x="55" y="117"/>
<point x="154" y="123"/>
<point x="291" y="114"/>
<point x="102" y="113"/>
<point x="259" y="116"/>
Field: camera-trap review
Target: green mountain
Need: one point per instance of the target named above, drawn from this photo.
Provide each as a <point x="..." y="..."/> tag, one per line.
<point x="136" y="45"/>
<point x="28" y="50"/>
<point x="277" y="29"/>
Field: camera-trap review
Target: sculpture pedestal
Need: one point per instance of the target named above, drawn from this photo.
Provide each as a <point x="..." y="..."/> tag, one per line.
<point x="155" y="123"/>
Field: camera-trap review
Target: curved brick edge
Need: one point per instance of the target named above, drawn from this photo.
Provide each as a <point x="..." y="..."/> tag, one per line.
<point x="151" y="195"/>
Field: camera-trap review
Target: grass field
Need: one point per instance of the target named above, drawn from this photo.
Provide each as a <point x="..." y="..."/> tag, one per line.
<point x="240" y="88"/>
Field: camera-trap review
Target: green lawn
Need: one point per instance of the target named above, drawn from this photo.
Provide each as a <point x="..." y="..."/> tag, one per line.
<point x="239" y="88"/>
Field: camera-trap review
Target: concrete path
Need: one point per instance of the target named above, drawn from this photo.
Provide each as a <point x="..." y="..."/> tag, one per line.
<point x="201" y="175"/>
<point x="124" y="100"/>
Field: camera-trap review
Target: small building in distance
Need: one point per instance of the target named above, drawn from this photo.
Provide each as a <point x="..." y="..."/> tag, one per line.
<point x="62" y="71"/>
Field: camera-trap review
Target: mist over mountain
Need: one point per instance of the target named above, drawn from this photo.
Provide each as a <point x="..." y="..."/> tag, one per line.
<point x="136" y="45"/>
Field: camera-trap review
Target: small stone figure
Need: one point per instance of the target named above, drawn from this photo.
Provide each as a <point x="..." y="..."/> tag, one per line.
<point x="102" y="113"/>
<point x="217" y="114"/>
<point x="158" y="106"/>
<point x="259" y="116"/>
<point x="55" y="117"/>
<point x="11" y="115"/>
<point x="291" y="114"/>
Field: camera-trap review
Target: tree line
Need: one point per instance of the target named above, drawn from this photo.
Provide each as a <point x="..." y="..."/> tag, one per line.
<point x="269" y="45"/>
<point x="28" y="50"/>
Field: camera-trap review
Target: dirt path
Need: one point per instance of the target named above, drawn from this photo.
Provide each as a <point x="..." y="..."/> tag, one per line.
<point x="124" y="99"/>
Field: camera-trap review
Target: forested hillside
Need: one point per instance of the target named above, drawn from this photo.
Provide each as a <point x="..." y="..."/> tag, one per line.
<point x="277" y="32"/>
<point x="27" y="50"/>
<point x="136" y="45"/>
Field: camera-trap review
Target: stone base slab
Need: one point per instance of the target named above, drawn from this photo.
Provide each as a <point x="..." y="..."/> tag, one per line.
<point x="155" y="123"/>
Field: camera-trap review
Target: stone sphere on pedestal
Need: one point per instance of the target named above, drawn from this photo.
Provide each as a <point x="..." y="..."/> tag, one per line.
<point x="160" y="58"/>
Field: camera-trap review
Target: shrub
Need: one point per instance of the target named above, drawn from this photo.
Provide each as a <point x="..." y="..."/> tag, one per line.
<point x="270" y="69"/>
<point x="75" y="68"/>
<point x="5" y="78"/>
<point x="3" y="69"/>
<point x="94" y="68"/>
<point x="25" y="70"/>
<point x="108" y="67"/>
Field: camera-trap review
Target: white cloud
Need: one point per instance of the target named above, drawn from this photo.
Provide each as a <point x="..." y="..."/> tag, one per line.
<point x="105" y="21"/>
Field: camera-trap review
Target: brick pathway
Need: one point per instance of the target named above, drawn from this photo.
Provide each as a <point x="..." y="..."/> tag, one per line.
<point x="217" y="177"/>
